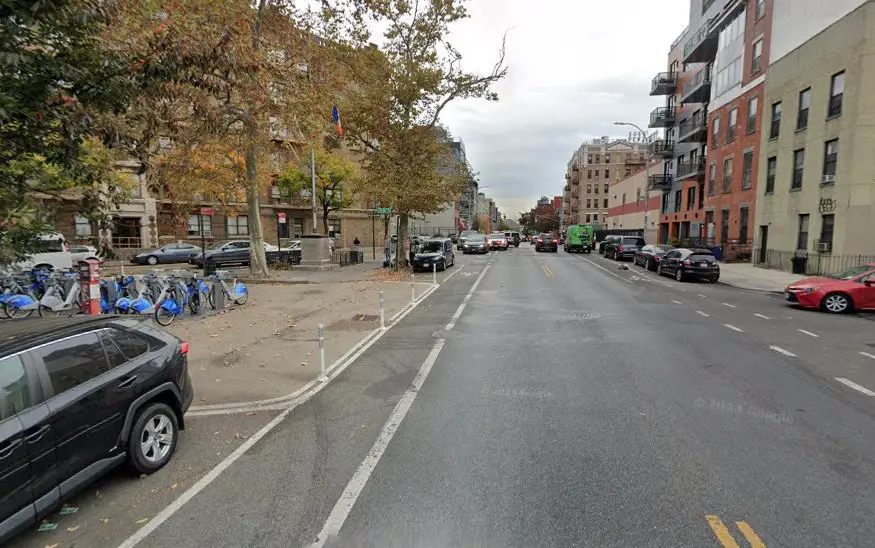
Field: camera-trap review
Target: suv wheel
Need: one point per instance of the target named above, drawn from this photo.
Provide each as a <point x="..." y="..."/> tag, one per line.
<point x="679" y="275"/>
<point x="153" y="438"/>
<point x="152" y="260"/>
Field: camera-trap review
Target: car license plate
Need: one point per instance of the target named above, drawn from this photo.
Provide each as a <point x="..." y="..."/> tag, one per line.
<point x="704" y="264"/>
<point x="425" y="263"/>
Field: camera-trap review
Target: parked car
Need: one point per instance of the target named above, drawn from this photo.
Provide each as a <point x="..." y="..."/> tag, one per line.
<point x="497" y="240"/>
<point x="171" y="253"/>
<point x="650" y="255"/>
<point x="684" y="263"/>
<point x="50" y="252"/>
<point x="83" y="252"/>
<point x="513" y="237"/>
<point x="623" y="247"/>
<point x="78" y="397"/>
<point x="463" y="236"/>
<point x="546" y="242"/>
<point x="851" y="289"/>
<point x="609" y="239"/>
<point x="221" y="253"/>
<point x="475" y="243"/>
<point x="434" y="251"/>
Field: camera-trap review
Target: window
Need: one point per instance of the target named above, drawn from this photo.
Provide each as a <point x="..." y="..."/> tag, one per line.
<point x="597" y="174"/>
<point x="334" y="228"/>
<point x="724" y="226"/>
<point x="776" y="121"/>
<point x="130" y="343"/>
<point x="743" y="217"/>
<point x="194" y="225"/>
<point x="798" y="166"/>
<point x="664" y="203"/>
<point x="606" y="188"/>
<point x="16" y="394"/>
<point x="589" y="158"/>
<point x="752" y="107"/>
<point x="715" y="131"/>
<point x="746" y="170"/>
<point x="607" y="174"/>
<point x="836" y="93"/>
<point x="771" y="168"/>
<point x="606" y="203"/>
<point x="727" y="175"/>
<point x="588" y="203"/>
<point x="607" y="158"/>
<point x="712" y="179"/>
<point x="830" y="159"/>
<point x="589" y="188"/>
<point x="588" y="218"/>
<point x="73" y="361"/>
<point x="596" y="188"/>
<point x="804" y="106"/>
<point x="297" y="227"/>
<point x="589" y="174"/>
<point x="827" y="226"/>
<point x="598" y="158"/>
<point x="678" y="197"/>
<point x="757" y="63"/>
<point x="691" y="198"/>
<point x="760" y="9"/>
<point x="733" y="120"/>
<point x="624" y="198"/>
<point x="238" y="226"/>
<point x="595" y="217"/>
<point x="802" y="237"/>
<point x="628" y="171"/>
<point x="83" y="226"/>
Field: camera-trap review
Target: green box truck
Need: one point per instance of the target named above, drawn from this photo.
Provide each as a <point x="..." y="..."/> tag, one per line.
<point x="579" y="239"/>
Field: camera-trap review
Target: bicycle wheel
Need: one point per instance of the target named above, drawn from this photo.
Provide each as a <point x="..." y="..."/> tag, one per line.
<point x="194" y="303"/>
<point x="212" y="297"/>
<point x="4" y="313"/>
<point x="164" y="317"/>
<point x="46" y="312"/>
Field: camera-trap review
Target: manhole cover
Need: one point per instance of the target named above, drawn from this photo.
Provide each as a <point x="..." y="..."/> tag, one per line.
<point x="365" y="318"/>
<point x="586" y="316"/>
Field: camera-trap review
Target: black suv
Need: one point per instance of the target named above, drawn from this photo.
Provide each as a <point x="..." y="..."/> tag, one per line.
<point x="621" y="248"/>
<point x="77" y="397"/>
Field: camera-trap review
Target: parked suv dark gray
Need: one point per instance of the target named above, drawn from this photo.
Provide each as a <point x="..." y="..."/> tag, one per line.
<point x="621" y="248"/>
<point x="78" y="397"/>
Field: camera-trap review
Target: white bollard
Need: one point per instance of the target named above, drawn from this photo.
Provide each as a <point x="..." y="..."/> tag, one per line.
<point x="434" y="273"/>
<point x="321" y="334"/>
<point x="382" y="313"/>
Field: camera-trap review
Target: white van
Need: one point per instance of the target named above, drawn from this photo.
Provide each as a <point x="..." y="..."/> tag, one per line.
<point x="52" y="252"/>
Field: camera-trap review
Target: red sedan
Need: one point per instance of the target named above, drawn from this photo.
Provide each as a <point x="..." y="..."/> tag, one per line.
<point x="852" y="289"/>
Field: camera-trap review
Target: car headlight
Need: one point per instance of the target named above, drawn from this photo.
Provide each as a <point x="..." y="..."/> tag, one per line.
<point x="810" y="290"/>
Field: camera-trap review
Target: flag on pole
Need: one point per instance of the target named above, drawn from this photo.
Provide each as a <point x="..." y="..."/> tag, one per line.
<point x="335" y="115"/>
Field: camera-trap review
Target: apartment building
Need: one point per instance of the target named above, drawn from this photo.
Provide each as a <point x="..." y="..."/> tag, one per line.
<point x="593" y="166"/>
<point x="818" y="189"/>
<point x="631" y="206"/>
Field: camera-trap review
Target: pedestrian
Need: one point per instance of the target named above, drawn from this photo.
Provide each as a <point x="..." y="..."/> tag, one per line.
<point x="356" y="242"/>
<point x="387" y="247"/>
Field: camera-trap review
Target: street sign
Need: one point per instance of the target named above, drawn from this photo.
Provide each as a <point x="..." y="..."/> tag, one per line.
<point x="281" y="218"/>
<point x="383" y="210"/>
<point x="206" y="211"/>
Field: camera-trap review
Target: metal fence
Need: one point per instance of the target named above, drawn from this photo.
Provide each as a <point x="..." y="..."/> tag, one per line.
<point x="283" y="258"/>
<point x="816" y="263"/>
<point x="346" y="257"/>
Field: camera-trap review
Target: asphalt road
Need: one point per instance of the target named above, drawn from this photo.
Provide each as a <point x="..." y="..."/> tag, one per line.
<point x="559" y="400"/>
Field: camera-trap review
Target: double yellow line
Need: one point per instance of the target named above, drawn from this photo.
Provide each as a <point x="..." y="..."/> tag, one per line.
<point x="547" y="271"/>
<point x="725" y="537"/>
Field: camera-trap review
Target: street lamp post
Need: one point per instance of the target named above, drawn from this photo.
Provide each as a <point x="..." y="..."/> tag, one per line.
<point x="646" y="173"/>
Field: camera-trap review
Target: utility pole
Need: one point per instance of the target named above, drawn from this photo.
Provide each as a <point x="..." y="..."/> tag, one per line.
<point x="313" y="183"/>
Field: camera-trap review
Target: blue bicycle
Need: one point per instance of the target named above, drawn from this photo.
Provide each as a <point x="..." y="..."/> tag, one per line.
<point x="184" y="289"/>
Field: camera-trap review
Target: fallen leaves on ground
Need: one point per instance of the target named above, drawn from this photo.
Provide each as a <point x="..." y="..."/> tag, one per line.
<point x="141" y="521"/>
<point x="72" y="529"/>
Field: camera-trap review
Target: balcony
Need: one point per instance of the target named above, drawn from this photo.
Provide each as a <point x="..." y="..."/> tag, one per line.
<point x="575" y="177"/>
<point x="663" y="117"/>
<point x="661" y="148"/>
<point x="698" y="89"/>
<point x="689" y="170"/>
<point x="701" y="47"/>
<point x="694" y="130"/>
<point x="665" y="83"/>
<point x="659" y="182"/>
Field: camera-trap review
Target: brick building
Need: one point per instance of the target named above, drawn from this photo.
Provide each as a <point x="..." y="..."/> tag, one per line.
<point x="627" y="205"/>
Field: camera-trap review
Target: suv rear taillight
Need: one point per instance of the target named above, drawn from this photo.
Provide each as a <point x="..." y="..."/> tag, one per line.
<point x="555" y="241"/>
<point x="619" y="248"/>
<point x="184" y="348"/>
<point x="688" y="263"/>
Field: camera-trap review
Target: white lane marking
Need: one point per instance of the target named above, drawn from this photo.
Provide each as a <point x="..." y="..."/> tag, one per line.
<point x="762" y="316"/>
<point x="614" y="274"/>
<point x="700" y="313"/>
<point x="868" y="355"/>
<point x="856" y="386"/>
<point x="730" y="305"/>
<point x="677" y="302"/>
<point x="703" y="296"/>
<point x="462" y="306"/>
<point x="454" y="273"/>
<point x="732" y="327"/>
<point x="809" y="333"/>
<point x="354" y="488"/>
<point x="681" y="289"/>
<point x="782" y="351"/>
<point x="202" y="483"/>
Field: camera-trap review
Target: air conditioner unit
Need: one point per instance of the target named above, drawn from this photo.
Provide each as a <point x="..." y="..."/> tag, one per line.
<point x="828" y="179"/>
<point x="824" y="247"/>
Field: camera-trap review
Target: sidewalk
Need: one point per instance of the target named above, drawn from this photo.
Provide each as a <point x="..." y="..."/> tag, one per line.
<point x="748" y="276"/>
<point x="269" y="348"/>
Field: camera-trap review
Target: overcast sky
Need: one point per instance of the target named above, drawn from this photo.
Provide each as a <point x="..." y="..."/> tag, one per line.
<point x="576" y="66"/>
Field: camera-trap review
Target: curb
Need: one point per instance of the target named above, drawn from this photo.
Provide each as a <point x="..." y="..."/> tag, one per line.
<point x="777" y="292"/>
<point x="333" y="370"/>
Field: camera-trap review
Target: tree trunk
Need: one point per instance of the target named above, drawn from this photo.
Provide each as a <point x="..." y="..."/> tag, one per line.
<point x="403" y="254"/>
<point x="257" y="260"/>
<point x="325" y="213"/>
